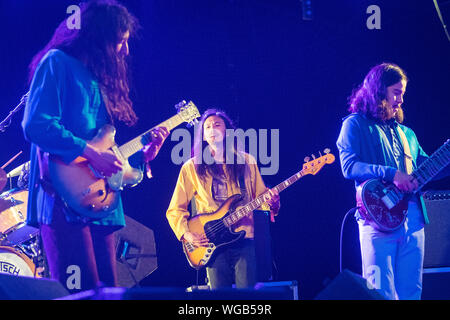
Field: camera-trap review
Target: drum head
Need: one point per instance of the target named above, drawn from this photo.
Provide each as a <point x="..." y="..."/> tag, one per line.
<point x="15" y="263"/>
<point x="19" y="235"/>
<point x="13" y="210"/>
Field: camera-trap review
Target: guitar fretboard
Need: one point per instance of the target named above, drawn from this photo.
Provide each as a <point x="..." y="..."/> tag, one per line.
<point x="433" y="165"/>
<point x="133" y="146"/>
<point x="257" y="202"/>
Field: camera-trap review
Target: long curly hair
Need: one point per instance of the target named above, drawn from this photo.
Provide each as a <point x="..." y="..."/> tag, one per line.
<point x="370" y="97"/>
<point x="103" y="24"/>
<point x="236" y="169"/>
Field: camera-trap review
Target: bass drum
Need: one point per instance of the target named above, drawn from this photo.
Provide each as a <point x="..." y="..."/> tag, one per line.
<point x="14" y="262"/>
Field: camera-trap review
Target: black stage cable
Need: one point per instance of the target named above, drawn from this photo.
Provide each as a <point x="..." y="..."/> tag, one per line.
<point x="352" y="210"/>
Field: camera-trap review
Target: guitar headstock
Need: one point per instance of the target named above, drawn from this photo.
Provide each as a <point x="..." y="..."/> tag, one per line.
<point x="314" y="166"/>
<point x="188" y="112"/>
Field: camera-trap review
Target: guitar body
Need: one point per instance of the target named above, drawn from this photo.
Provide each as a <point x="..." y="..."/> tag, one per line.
<point x="218" y="233"/>
<point x="86" y="191"/>
<point x="382" y="205"/>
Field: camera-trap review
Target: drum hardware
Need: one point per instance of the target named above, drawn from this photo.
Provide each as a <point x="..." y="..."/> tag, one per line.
<point x="3" y="125"/>
<point x="13" y="208"/>
<point x="3" y="179"/>
<point x="32" y="250"/>
<point x="3" y="176"/>
<point x="7" y="121"/>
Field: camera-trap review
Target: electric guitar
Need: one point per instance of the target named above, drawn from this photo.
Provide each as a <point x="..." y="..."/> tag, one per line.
<point x="218" y="226"/>
<point x="89" y="193"/>
<point x="384" y="206"/>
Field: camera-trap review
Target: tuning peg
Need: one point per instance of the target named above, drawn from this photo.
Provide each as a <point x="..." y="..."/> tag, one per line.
<point x="192" y="123"/>
<point x="307" y="159"/>
<point x="313" y="156"/>
<point x="180" y="105"/>
<point x="326" y="151"/>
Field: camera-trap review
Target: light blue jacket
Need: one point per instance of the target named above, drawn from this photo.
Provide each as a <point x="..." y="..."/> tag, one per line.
<point x="366" y="154"/>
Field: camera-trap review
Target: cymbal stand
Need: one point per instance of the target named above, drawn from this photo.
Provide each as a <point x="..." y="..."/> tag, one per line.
<point x="7" y="121"/>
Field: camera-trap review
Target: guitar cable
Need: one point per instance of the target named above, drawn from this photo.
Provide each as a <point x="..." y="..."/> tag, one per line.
<point x="352" y="210"/>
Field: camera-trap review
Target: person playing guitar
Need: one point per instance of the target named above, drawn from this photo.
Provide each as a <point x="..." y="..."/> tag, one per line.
<point x="217" y="171"/>
<point x="79" y="83"/>
<point x="373" y="144"/>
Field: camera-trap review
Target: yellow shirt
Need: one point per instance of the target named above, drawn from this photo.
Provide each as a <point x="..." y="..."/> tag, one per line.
<point x="189" y="185"/>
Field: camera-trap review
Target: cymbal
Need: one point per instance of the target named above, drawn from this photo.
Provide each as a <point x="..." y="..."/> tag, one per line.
<point x="3" y="179"/>
<point x="17" y="171"/>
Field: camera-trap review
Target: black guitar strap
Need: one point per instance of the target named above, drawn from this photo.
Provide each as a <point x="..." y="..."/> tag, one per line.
<point x="242" y="186"/>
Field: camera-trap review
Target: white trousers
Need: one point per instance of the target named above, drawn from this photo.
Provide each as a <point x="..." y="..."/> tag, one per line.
<point x="393" y="262"/>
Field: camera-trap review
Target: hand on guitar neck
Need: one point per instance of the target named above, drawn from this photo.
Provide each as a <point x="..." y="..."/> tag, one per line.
<point x="104" y="162"/>
<point x="158" y="136"/>
<point x="107" y="163"/>
<point x="273" y="200"/>
<point x="405" y="182"/>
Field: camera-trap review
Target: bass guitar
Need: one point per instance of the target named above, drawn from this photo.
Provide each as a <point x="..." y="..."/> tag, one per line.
<point x="218" y="226"/>
<point x="89" y="193"/>
<point x="384" y="206"/>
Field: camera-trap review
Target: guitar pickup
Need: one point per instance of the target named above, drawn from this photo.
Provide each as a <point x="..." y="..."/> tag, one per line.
<point x="388" y="201"/>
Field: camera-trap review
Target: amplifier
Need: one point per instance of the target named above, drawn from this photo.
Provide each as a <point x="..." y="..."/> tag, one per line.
<point x="437" y="232"/>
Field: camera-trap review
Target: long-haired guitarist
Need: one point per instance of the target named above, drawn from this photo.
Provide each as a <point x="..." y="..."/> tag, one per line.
<point x="79" y="82"/>
<point x="374" y="144"/>
<point x="216" y="171"/>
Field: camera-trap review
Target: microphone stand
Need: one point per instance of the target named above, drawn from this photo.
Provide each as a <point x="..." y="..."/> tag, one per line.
<point x="7" y="121"/>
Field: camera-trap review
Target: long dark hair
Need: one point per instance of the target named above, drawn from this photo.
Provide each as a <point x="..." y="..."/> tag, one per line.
<point x="236" y="169"/>
<point x="370" y="97"/>
<point x="103" y="24"/>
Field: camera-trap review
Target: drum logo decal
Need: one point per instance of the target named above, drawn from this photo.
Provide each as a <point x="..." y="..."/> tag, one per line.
<point x="6" y="267"/>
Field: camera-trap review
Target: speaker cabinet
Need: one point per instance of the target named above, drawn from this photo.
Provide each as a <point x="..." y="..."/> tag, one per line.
<point x="437" y="235"/>
<point x="349" y="286"/>
<point x="263" y="245"/>
<point x="136" y="253"/>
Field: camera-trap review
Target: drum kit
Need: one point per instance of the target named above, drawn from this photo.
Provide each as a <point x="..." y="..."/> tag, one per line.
<point x="20" y="252"/>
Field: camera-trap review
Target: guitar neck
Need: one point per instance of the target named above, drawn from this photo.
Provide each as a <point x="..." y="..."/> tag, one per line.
<point x="133" y="146"/>
<point x="433" y="165"/>
<point x="257" y="202"/>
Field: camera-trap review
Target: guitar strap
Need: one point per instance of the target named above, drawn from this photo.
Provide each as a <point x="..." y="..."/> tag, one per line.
<point x="409" y="168"/>
<point x="407" y="150"/>
<point x="242" y="186"/>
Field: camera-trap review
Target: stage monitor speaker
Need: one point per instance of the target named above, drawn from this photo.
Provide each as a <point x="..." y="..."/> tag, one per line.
<point x="436" y="286"/>
<point x="349" y="286"/>
<point x="27" y="288"/>
<point x="437" y="235"/>
<point x="136" y="253"/>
